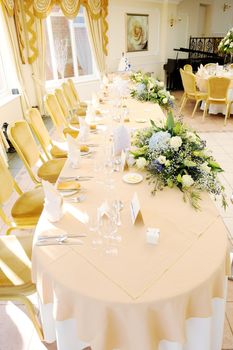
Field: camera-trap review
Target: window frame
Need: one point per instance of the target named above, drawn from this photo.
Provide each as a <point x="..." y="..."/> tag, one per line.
<point x="71" y="25"/>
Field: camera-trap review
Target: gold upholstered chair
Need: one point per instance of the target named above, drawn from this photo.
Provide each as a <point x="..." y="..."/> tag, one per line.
<point x="218" y="94"/>
<point x="15" y="274"/>
<point x="50" y="149"/>
<point x="188" y="68"/>
<point x="22" y="139"/>
<point x="73" y="102"/>
<point x="60" y="122"/>
<point x="190" y="90"/>
<point x="27" y="208"/>
<point x="66" y="110"/>
<point x="75" y="93"/>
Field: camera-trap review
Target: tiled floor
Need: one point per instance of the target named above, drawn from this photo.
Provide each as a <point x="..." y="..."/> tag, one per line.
<point x="16" y="330"/>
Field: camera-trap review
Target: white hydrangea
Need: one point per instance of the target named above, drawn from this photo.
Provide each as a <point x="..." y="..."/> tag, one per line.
<point x="162" y="160"/>
<point x="175" y="142"/>
<point x="205" y="168"/>
<point x="187" y="181"/>
<point x="164" y="100"/>
<point x="191" y="136"/>
<point x="141" y="162"/>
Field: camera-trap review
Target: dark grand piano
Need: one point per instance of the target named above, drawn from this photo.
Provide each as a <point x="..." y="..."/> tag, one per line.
<point x="200" y="51"/>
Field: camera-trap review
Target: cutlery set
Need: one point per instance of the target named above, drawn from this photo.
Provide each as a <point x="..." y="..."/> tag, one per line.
<point x="63" y="239"/>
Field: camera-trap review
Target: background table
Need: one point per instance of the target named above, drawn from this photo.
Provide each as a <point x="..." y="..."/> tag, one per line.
<point x="166" y="297"/>
<point x="201" y="79"/>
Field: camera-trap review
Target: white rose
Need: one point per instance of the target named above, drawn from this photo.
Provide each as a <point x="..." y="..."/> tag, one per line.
<point x="172" y="97"/>
<point x="191" y="136"/>
<point x="175" y="142"/>
<point x="141" y="162"/>
<point x="164" y="100"/>
<point x="187" y="181"/>
<point x="161" y="84"/>
<point x="227" y="41"/>
<point x="231" y="44"/>
<point x="205" y="168"/>
<point x="162" y="159"/>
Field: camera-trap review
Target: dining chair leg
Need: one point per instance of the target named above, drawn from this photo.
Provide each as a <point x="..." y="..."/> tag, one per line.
<point x="205" y="111"/>
<point x="183" y="103"/>
<point x="182" y="99"/>
<point x="195" y="108"/>
<point x="227" y="113"/>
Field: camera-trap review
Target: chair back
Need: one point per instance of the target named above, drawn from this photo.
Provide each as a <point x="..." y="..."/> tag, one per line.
<point x="8" y="181"/>
<point x="53" y="108"/>
<point x="218" y="87"/>
<point x="62" y="102"/>
<point x="23" y="141"/>
<point x="188" y="68"/>
<point x="73" y="89"/>
<point x="39" y="129"/>
<point x="72" y="102"/>
<point x="189" y="81"/>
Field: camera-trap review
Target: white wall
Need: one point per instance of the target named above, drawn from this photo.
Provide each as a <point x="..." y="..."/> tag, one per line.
<point x="10" y="109"/>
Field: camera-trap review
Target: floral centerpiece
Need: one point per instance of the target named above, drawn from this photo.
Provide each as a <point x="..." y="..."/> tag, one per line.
<point x="149" y="89"/>
<point x="173" y="155"/>
<point x="226" y="44"/>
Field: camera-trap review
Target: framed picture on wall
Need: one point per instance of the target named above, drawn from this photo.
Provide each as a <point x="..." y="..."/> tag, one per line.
<point x="137" y="29"/>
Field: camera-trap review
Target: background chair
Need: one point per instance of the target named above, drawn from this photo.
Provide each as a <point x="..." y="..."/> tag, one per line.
<point x="217" y="93"/>
<point x="60" y="122"/>
<point x="22" y="139"/>
<point x="27" y="208"/>
<point x="188" y="68"/>
<point x="15" y="273"/>
<point x="66" y="110"/>
<point x="74" y="91"/>
<point x="190" y="90"/>
<point x="42" y="134"/>
<point x="73" y="103"/>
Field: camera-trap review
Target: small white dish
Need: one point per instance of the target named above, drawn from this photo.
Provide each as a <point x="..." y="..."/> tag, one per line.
<point x="132" y="178"/>
<point x="68" y="193"/>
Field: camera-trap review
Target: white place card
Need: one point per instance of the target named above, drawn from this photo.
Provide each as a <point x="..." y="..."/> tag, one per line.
<point x="124" y="164"/>
<point x="136" y="213"/>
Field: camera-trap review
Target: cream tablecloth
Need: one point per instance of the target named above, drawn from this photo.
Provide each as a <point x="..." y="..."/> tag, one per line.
<point x="148" y="297"/>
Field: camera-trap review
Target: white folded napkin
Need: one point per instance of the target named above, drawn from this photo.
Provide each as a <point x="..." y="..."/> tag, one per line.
<point x="73" y="151"/>
<point x="83" y="131"/>
<point x="53" y="202"/>
<point x="121" y="139"/>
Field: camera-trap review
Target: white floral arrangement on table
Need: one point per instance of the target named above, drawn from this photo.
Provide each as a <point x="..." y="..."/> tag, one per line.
<point x="175" y="156"/>
<point x="226" y="44"/>
<point x="150" y="89"/>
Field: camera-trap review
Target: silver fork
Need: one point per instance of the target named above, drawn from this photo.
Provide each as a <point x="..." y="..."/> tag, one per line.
<point x="77" y="177"/>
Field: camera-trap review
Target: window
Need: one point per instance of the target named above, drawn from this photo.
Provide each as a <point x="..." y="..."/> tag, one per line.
<point x="68" y="51"/>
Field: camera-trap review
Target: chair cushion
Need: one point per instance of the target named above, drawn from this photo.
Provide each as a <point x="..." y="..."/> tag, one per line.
<point x="28" y="207"/>
<point x="57" y="152"/>
<point x="15" y="262"/>
<point x="50" y="170"/>
<point x="81" y="111"/>
<point x="83" y="104"/>
<point x="74" y="120"/>
<point x="71" y="132"/>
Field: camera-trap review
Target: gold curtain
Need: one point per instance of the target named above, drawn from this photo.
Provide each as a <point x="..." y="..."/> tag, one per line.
<point x="15" y="48"/>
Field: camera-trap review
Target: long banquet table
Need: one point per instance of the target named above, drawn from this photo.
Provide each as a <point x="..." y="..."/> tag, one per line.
<point x="169" y="296"/>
